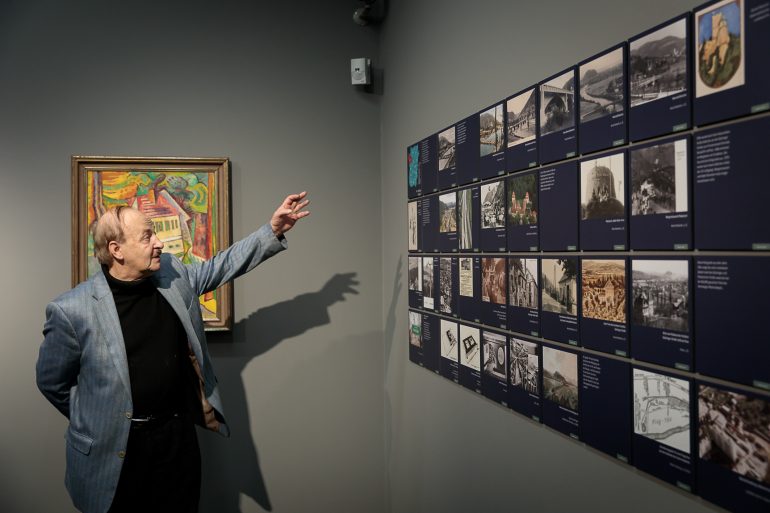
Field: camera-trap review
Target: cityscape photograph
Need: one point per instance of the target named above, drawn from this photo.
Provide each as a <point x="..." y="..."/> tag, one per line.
<point x="660" y="292"/>
<point x="658" y="64"/>
<point x="559" y="285"/>
<point x="604" y="289"/>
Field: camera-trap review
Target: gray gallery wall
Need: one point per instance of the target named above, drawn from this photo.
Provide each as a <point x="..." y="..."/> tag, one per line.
<point x="448" y="449"/>
<point x="266" y="84"/>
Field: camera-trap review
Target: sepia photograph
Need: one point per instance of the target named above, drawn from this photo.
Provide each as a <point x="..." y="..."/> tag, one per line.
<point x="413" y="165"/>
<point x="602" y="191"/>
<point x="658" y="64"/>
<point x="465" y="215"/>
<point x="525" y="365"/>
<point x="522" y="199"/>
<point x="659" y="178"/>
<point x="493" y="205"/>
<point x="466" y="276"/>
<point x="449" y="335"/>
<point x="660" y="292"/>
<point x="415" y="273"/>
<point x="720" y="54"/>
<point x="560" y="378"/>
<point x="523" y="290"/>
<point x="428" y="292"/>
<point x="446" y="149"/>
<point x="493" y="280"/>
<point x="412" y="217"/>
<point x="494" y="355"/>
<point x="491" y="126"/>
<point x="446" y="303"/>
<point x="447" y="204"/>
<point x="557" y="103"/>
<point x="662" y="409"/>
<point x="415" y="329"/>
<point x="601" y="86"/>
<point x="522" y="118"/>
<point x="469" y="347"/>
<point x="604" y="289"/>
<point x="734" y="432"/>
<point x="559" y="285"/>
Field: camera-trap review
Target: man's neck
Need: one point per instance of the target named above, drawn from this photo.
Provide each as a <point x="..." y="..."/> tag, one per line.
<point x="123" y="274"/>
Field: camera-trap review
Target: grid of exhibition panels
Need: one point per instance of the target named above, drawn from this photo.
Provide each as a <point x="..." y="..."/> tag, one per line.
<point x="592" y="252"/>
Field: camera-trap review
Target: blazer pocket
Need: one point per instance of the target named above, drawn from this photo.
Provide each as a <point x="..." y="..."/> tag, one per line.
<point x="79" y="442"/>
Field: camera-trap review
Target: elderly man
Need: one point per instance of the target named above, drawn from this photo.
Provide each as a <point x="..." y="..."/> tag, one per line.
<point x="124" y="358"/>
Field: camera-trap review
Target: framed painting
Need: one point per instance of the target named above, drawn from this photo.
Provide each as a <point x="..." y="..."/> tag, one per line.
<point x="187" y="200"/>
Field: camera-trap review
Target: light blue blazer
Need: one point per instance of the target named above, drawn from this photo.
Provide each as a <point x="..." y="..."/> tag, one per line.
<point x="83" y="371"/>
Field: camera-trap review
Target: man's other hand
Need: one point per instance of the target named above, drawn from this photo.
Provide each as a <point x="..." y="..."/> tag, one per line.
<point x="290" y="211"/>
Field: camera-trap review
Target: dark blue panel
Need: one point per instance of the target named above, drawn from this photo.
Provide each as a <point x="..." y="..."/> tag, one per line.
<point x="450" y="350"/>
<point x="430" y="294"/>
<point x="561" y="390"/>
<point x="429" y="224"/>
<point x="494" y="364"/>
<point x="468" y="219"/>
<point x="605" y="405"/>
<point x="559" y="207"/>
<point x="447" y="222"/>
<point x="446" y="157"/>
<point x="524" y="372"/>
<point x="494" y="287"/>
<point x="448" y="286"/>
<point x="467" y="150"/>
<point x="414" y="337"/>
<point x="469" y="297"/>
<point x="431" y="342"/>
<point x="414" y="281"/>
<point x="524" y="295"/>
<point x="470" y="358"/>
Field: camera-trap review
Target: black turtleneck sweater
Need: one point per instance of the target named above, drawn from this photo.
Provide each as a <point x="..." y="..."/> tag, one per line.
<point x="156" y="348"/>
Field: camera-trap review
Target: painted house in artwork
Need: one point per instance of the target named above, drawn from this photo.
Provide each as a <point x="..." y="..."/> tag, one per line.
<point x="169" y="219"/>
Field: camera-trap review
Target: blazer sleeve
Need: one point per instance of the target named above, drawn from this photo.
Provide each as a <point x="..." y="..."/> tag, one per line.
<point x="238" y="259"/>
<point x="58" y="363"/>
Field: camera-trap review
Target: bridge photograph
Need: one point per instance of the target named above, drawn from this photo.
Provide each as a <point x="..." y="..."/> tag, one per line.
<point x="557" y="104"/>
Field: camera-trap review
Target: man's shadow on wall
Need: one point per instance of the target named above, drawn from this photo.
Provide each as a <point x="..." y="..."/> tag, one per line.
<point x="231" y="466"/>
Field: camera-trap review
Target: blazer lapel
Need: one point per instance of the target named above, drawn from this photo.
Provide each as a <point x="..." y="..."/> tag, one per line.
<point x="174" y="298"/>
<point x="107" y="317"/>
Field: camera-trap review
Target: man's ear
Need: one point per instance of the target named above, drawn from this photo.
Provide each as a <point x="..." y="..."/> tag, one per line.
<point x="115" y="250"/>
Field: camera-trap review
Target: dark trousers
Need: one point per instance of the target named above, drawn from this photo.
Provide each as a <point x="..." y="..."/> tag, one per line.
<point x="162" y="469"/>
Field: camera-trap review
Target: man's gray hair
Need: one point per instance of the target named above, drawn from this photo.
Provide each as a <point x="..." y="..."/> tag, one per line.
<point x="108" y="228"/>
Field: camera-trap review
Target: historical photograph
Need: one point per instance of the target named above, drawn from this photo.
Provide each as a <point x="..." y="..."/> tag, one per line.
<point x="491" y="125"/>
<point x="428" y="292"/>
<point x="658" y="64"/>
<point x="659" y="178"/>
<point x="415" y="329"/>
<point x="559" y="285"/>
<point x="560" y="378"/>
<point x="660" y="292"/>
<point x="522" y="199"/>
<point x="447" y="204"/>
<point x="601" y="86"/>
<point x="523" y="290"/>
<point x="719" y="34"/>
<point x="557" y="103"/>
<point x="733" y="432"/>
<point x="412" y="217"/>
<point x="604" y="289"/>
<point x="466" y="276"/>
<point x="522" y="118"/>
<point x="449" y="335"/>
<point x="465" y="214"/>
<point x="446" y="302"/>
<point x="413" y="165"/>
<point x="494" y="355"/>
<point x="415" y="273"/>
<point x="493" y="204"/>
<point x="446" y="149"/>
<point x="602" y="191"/>
<point x="493" y="280"/>
<point x="469" y="347"/>
<point x="525" y="365"/>
<point x="662" y="409"/>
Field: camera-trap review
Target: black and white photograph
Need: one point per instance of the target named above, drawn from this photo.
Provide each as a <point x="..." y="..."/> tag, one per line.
<point x="560" y="377"/>
<point x="491" y="127"/>
<point x="720" y="50"/>
<point x="493" y="280"/>
<point x="604" y="289"/>
<point x="415" y="274"/>
<point x="602" y="192"/>
<point x="662" y="409"/>
<point x="523" y="290"/>
<point x="557" y="103"/>
<point x="415" y="329"/>
<point x="493" y="205"/>
<point x="465" y="218"/>
<point x="447" y="205"/>
<point x="428" y="283"/>
<point x="522" y="199"/>
<point x="659" y="178"/>
<point x="412" y="219"/>
<point x="734" y="432"/>
<point x="522" y="118"/>
<point x="559" y="285"/>
<point x="494" y="355"/>
<point x="446" y="298"/>
<point x="446" y="149"/>
<point x="658" y="64"/>
<point x="470" y="349"/>
<point x="660" y="292"/>
<point x="449" y="338"/>
<point x="601" y="86"/>
<point x="466" y="276"/>
<point x="525" y="365"/>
